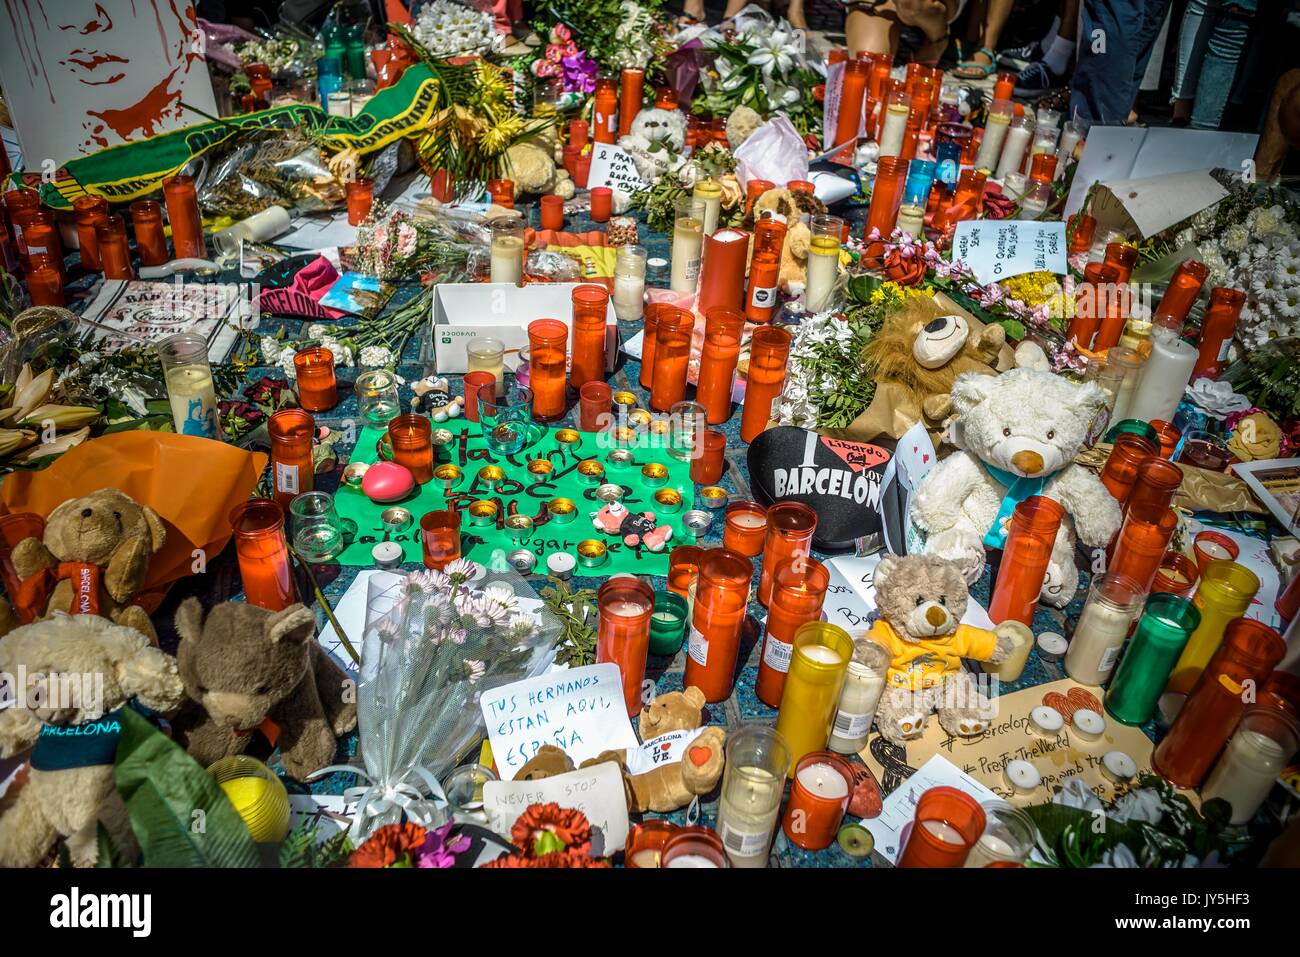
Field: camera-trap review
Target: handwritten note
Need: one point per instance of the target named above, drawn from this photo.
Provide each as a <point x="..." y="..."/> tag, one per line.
<point x="851" y="595"/>
<point x="613" y="167"/>
<point x="596" y="791"/>
<point x="999" y="249"/>
<point x="580" y="710"/>
<point x="890" y="826"/>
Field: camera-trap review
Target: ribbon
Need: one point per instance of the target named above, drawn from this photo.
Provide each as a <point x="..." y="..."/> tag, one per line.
<point x="1019" y="488"/>
<point x="377" y="799"/>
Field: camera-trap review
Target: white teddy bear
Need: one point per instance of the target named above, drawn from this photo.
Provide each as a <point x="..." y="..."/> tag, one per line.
<point x="1019" y="434"/>
<point x="655" y="142"/>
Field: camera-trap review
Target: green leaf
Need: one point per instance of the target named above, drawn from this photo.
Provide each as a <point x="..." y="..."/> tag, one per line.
<point x="109" y="855"/>
<point x="1014" y="327"/>
<point x="163" y="787"/>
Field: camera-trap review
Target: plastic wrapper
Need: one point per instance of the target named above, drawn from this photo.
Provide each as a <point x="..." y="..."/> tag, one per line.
<point x="434" y="641"/>
<point x="270" y="168"/>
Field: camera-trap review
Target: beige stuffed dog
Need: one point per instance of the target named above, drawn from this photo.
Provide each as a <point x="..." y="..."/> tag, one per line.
<point x="93" y="558"/>
<point x="80" y="672"/>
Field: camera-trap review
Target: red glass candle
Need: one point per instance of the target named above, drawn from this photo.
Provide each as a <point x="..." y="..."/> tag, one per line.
<point x="442" y="186"/>
<point x="1184" y="286"/>
<point x="1209" y="546"/>
<point x="263" y="554"/>
<point x="967" y="197"/>
<point x="318" y="389"/>
<point x="708" y="464"/>
<point x="947" y="824"/>
<point x="546" y="368"/>
<point x="754" y="189"/>
<point x="623" y="633"/>
<point x="719" y="354"/>
<point x="579" y="133"/>
<point x="45" y="285"/>
<point x="150" y="237"/>
<point x="412" y="440"/>
<point x="602" y="204"/>
<point x="552" y="212"/>
<point x="20" y="201"/>
<point x="1120" y="471"/>
<point x="1004" y="86"/>
<point x="853" y="87"/>
<point x="1024" y="560"/>
<point x="819" y="796"/>
<point x="1042" y="168"/>
<point x="14" y="528"/>
<point x="440" y="537"/>
<point x="183" y="214"/>
<point x="769" y="354"/>
<point x="764" y="276"/>
<point x="645" y="843"/>
<point x="631" y="91"/>
<point x="1107" y="297"/>
<point x="1140" y="547"/>
<point x="801" y="186"/>
<point x="694" y="846"/>
<point x="1176" y="575"/>
<point x="672" y="353"/>
<point x="886" y="196"/>
<point x="594" y="400"/>
<point x="604" y="126"/>
<point x="1287" y="604"/>
<point x="1082" y="230"/>
<point x="472" y="382"/>
<point x="587" y="353"/>
<point x="502" y="192"/>
<point x="1249" y="652"/>
<point x="665" y="98"/>
<point x="361" y="198"/>
<point x="88" y="211"/>
<point x="722" y="275"/>
<point x="1167" y="436"/>
<point x="684" y="570"/>
<point x="798" y="593"/>
<point x="292" y="472"/>
<point x="1123" y="258"/>
<point x="1153" y="489"/>
<point x="721" y="597"/>
<point x="790" y="527"/>
<point x="43" y="243"/>
<point x="650" y="321"/>
<point x="1217" y="327"/>
<point x="745" y="529"/>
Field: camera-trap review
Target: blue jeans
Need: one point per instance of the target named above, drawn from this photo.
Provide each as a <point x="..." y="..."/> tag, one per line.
<point x="1114" y="47"/>
<point x="1209" y="48"/>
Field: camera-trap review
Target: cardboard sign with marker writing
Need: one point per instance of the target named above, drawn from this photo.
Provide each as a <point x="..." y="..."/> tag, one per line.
<point x="596" y="791"/>
<point x="612" y="167"/>
<point x="999" y="249"/>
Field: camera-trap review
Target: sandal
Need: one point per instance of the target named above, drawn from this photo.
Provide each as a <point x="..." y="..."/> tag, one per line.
<point x="970" y="70"/>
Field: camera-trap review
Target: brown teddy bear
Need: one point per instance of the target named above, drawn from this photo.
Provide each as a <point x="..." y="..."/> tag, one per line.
<point x="245" y="669"/>
<point x="73" y="725"/>
<point x="921" y="600"/>
<point x="534" y="166"/>
<point x="791" y="208"/>
<point x="665" y="787"/>
<point x="93" y="558"/>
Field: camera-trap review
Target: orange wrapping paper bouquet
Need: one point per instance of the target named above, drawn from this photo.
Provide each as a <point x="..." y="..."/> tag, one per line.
<point x="191" y="483"/>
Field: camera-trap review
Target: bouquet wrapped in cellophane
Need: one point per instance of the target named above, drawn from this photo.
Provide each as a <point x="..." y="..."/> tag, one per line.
<point x="434" y="642"/>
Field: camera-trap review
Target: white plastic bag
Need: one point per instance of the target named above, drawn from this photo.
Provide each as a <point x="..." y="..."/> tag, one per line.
<point x="774" y="152"/>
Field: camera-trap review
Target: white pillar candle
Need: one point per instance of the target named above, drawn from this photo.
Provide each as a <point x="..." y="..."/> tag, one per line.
<point x="1013" y="150"/>
<point x="1164" y="378"/>
<point x="507" y="259"/>
<point x="891" y="137"/>
<point x="863" y="686"/>
<point x="823" y="270"/>
<point x="688" y="244"/>
<point x="1245" y="773"/>
<point x="747" y="813"/>
<point x="995" y="135"/>
<point x="1102" y="630"/>
<point x="911" y="220"/>
<point x="1070" y="136"/>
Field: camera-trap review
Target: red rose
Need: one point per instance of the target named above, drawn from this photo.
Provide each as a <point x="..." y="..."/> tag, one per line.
<point x="906" y="271"/>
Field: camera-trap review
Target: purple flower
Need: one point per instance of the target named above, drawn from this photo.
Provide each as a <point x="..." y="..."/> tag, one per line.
<point x="579" y="73"/>
<point x="436" y="852"/>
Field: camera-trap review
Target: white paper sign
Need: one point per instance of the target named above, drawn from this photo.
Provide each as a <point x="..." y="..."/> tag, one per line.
<point x="851" y="595"/>
<point x="996" y="249"/>
<point x="900" y="807"/>
<point x="596" y="791"/>
<point x="79" y="77"/>
<point x="612" y="167"/>
<point x="581" y="711"/>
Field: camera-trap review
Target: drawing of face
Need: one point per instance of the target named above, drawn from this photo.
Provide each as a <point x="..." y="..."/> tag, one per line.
<point x="120" y="63"/>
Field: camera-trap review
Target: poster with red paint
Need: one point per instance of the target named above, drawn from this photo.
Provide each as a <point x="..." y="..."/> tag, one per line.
<point x="82" y="75"/>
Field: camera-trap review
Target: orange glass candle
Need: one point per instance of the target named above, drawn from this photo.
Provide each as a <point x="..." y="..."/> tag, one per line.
<point x="684" y="570"/>
<point x="551" y="212"/>
<point x="579" y="133"/>
<point x="801" y="186"/>
<point x="1249" y="652"/>
<point x="1105" y="295"/>
<point x="150" y="237"/>
<point x="719" y="354"/>
<point x="769" y="355"/>
<point x="1176" y="575"/>
<point x="604" y="127"/>
<point x="672" y="353"/>
<point x="745" y="529"/>
<point x="292" y="471"/>
<point x="440" y="537"/>
<point x="645" y="843"/>
<point x="665" y="98"/>
<point x="602" y="204"/>
<point x="790" y="527"/>
<point x="631" y="91"/>
<point x="361" y="198"/>
<point x="502" y="192"/>
<point x="764" y="276"/>
<point x="819" y="796"/>
<point x="1120" y="471"/>
<point x="1140" y="548"/>
<point x="45" y="285"/>
<point x="1004" y="86"/>
<point x="546" y="368"/>
<point x="14" y="528"/>
<point x="1167" y="436"/>
<point x="721" y="597"/>
<point x="947" y="824"/>
<point x="1123" y="258"/>
<point x="623" y="633"/>
<point x="1081" y="230"/>
<point x="754" y="189"/>
<point x="318" y="389"/>
<point x="412" y="440"/>
<point x="722" y="274"/>
<point x="650" y="324"/>
<point x="853" y="87"/>
<point x="263" y="554"/>
<point x="594" y="400"/>
<point x="1217" y="327"/>
<point x="1042" y="168"/>
<point x="185" y="218"/>
<point x="886" y="196"/>
<point x="43" y="243"/>
<point x="710" y="461"/>
<point x="1153" y="489"/>
<point x="1184" y="286"/>
<point x="88" y="211"/>
<point x="19" y="201"/>
<point x="587" y="352"/>
<point x="798" y="593"/>
<point x="1210" y="546"/>
<point x="769" y="236"/>
<point x="1030" y="538"/>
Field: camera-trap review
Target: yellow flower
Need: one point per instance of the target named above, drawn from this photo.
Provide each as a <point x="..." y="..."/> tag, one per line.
<point x="1033" y="289"/>
<point x="495" y="139"/>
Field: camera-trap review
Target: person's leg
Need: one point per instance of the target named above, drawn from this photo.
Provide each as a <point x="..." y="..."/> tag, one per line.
<point x="995" y="20"/>
<point x="733" y="8"/>
<point x="794" y="13"/>
<point x="1281" y="127"/>
<point x="1219" y="68"/>
<point x="693" y="9"/>
<point x="995" y="17"/>
<point x="870" y="32"/>
<point x="1111" y="60"/>
<point x="1188" y="67"/>
<point x="931" y="17"/>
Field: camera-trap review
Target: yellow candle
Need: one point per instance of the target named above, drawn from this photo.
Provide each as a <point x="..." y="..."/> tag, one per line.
<point x="813" y="684"/>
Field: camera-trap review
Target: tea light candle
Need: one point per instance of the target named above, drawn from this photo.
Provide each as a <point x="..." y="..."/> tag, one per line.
<point x="1046" y="721"/>
<point x="943" y="831"/>
<point x="561" y="565"/>
<point x="1118" y="767"/>
<point x="1088" y="724"/>
<point x="823" y="655"/>
<point x="1052" y="646"/>
<point x="1022" y="776"/>
<point x="386" y="555"/>
<point x="822" y="780"/>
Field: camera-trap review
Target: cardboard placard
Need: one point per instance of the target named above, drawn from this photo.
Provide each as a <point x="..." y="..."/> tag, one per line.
<point x="596" y="791"/>
<point x="999" y="249"/>
<point x="613" y="167"/>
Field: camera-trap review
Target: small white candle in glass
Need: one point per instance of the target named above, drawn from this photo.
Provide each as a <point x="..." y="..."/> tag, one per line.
<point x="823" y="262"/>
<point x="629" y="282"/>
<point x="891" y="135"/>
<point x="507" y="263"/>
<point x="486" y="354"/>
<point x="995" y="134"/>
<point x="688" y="244"/>
<point x="1013" y="149"/>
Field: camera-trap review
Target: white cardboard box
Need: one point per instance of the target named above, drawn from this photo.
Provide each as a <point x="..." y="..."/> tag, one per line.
<point x="465" y="311"/>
